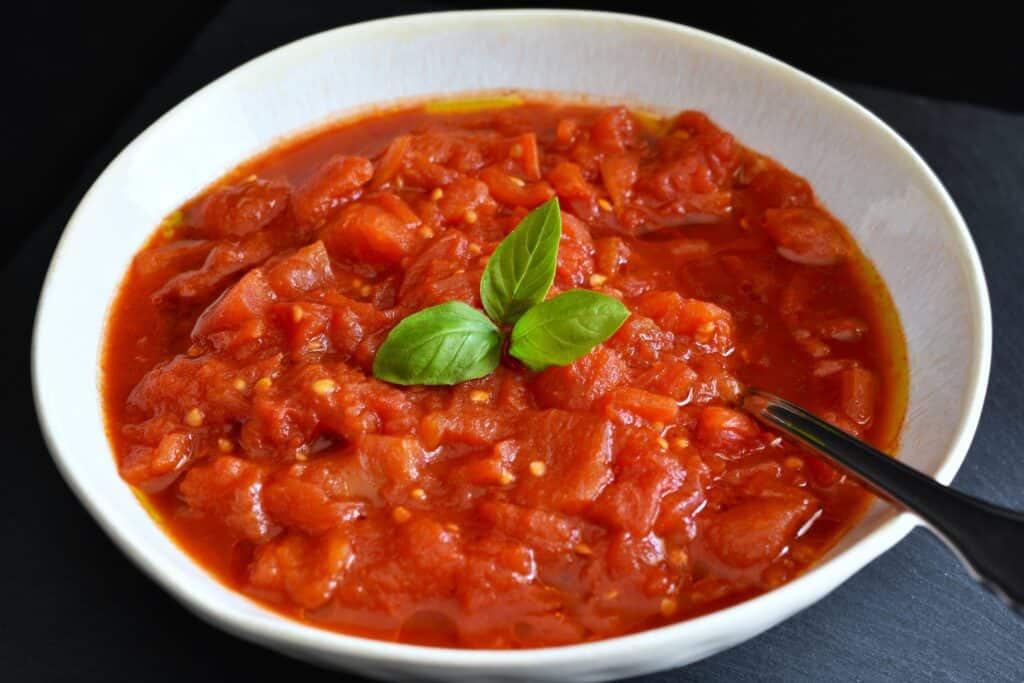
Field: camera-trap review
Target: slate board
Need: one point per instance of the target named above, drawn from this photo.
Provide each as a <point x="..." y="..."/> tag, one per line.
<point x="76" y="609"/>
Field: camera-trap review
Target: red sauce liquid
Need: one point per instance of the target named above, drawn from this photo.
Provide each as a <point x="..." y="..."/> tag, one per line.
<point x="522" y="509"/>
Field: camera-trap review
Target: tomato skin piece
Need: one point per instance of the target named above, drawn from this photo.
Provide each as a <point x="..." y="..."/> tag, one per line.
<point x="306" y="327"/>
<point x="353" y="323"/>
<point x="641" y="340"/>
<point x="398" y="458"/>
<point x="440" y="262"/>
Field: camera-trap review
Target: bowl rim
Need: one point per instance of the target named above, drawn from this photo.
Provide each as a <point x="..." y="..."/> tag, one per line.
<point x="819" y="580"/>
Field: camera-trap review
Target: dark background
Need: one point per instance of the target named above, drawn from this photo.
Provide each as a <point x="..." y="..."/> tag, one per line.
<point x="81" y="67"/>
<point x="84" y="79"/>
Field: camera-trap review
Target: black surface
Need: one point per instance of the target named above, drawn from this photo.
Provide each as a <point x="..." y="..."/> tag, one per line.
<point x="73" y="72"/>
<point x="76" y="609"/>
<point x="76" y="69"/>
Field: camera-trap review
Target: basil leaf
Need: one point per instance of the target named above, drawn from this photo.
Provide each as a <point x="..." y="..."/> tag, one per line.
<point x="565" y="328"/>
<point x="444" y="344"/>
<point x="522" y="268"/>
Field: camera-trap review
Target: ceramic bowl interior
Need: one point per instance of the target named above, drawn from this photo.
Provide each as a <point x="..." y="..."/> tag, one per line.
<point x="894" y="206"/>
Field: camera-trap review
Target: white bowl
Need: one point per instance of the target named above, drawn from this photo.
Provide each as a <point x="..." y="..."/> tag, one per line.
<point x="870" y="178"/>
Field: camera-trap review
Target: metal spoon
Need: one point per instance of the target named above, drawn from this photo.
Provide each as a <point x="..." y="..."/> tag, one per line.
<point x="989" y="540"/>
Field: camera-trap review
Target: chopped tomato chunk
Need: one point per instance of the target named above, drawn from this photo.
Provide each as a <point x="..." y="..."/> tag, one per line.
<point x="299" y="499"/>
<point x="724" y="427"/>
<point x="239" y="210"/>
<point x="575" y="449"/>
<point x="154" y="469"/>
<point x="704" y="321"/>
<point x="231" y="490"/>
<point x="626" y="404"/>
<point x="464" y="198"/>
<point x="858" y="394"/>
<point x="577" y="385"/>
<point x="513" y="191"/>
<point x="575" y="253"/>
<point x="306" y="270"/>
<point x="615" y="129"/>
<point x="755" y="531"/>
<point x="171" y="258"/>
<point x="307" y="570"/>
<point x="568" y="181"/>
<point x="370" y="233"/>
<point x="778" y="189"/>
<point x="223" y="262"/>
<point x="333" y="184"/>
<point x="239" y="314"/>
<point x="806" y="236"/>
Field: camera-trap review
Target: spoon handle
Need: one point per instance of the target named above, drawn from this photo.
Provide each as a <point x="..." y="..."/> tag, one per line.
<point x="989" y="540"/>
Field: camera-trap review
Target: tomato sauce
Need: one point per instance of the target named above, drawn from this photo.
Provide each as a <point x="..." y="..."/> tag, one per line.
<point x="619" y="493"/>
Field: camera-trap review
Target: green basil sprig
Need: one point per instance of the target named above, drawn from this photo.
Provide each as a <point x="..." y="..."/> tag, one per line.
<point x="443" y="344"/>
<point x="520" y="271"/>
<point x="565" y="328"/>
<point x="452" y="342"/>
